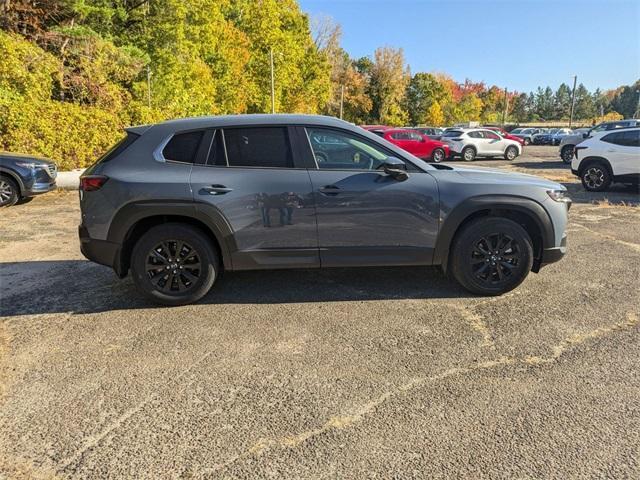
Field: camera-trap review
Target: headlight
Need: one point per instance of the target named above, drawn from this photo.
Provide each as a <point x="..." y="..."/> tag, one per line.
<point x="27" y="164"/>
<point x="560" y="196"/>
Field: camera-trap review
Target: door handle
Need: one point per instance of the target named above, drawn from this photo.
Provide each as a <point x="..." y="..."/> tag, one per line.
<point x="215" y="190"/>
<point x="329" y="190"/>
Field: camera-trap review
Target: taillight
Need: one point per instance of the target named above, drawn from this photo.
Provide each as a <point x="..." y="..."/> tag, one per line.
<point x="91" y="183"/>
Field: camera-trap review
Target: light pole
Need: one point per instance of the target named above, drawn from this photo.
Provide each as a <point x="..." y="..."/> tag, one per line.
<point x="637" y="112"/>
<point x="573" y="99"/>
<point x="149" y="86"/>
<point x="341" y="100"/>
<point x="506" y="107"/>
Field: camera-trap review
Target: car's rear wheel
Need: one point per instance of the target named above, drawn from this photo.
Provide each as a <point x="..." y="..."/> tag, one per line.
<point x="9" y="191"/>
<point x="174" y="264"/>
<point x="438" y="155"/>
<point x="511" y="153"/>
<point x="527" y="141"/>
<point x="468" y="154"/>
<point x="491" y="256"/>
<point x="567" y="153"/>
<point x="595" y="177"/>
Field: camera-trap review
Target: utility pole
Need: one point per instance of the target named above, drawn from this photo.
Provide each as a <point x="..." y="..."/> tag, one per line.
<point x="573" y="100"/>
<point x="637" y="112"/>
<point x="341" y="100"/>
<point x="506" y="107"/>
<point x="273" y="89"/>
<point x="149" y="86"/>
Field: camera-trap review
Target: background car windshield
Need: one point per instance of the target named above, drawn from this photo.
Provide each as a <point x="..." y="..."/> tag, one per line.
<point x="452" y="133"/>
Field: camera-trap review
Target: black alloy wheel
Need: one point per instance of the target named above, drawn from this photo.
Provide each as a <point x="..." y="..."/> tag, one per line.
<point x="173" y="266"/>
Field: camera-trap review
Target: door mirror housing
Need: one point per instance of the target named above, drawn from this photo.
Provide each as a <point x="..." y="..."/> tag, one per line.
<point x="396" y="168"/>
<point x="585" y="135"/>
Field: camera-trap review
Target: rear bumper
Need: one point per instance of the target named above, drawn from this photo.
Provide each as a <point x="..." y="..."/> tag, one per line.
<point x="99" y="251"/>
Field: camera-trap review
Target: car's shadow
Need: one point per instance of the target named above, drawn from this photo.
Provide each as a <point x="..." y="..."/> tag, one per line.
<point x="78" y="286"/>
<point x="617" y="194"/>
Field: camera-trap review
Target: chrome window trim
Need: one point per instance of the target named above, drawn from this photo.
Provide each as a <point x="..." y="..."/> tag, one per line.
<point x="157" y="153"/>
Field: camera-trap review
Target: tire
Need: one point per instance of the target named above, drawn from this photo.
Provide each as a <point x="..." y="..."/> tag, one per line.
<point x="468" y="154"/>
<point x="9" y="191"/>
<point x="595" y="177"/>
<point x="476" y="266"/>
<point x="527" y="141"/>
<point x="567" y="154"/>
<point x="183" y="282"/>
<point x="438" y="155"/>
<point x="511" y="153"/>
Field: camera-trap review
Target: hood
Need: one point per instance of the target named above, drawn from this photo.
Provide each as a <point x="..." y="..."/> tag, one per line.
<point x="24" y="157"/>
<point x="492" y="175"/>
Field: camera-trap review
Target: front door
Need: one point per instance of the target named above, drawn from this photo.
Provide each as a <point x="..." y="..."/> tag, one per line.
<point x="251" y="183"/>
<point x="366" y="217"/>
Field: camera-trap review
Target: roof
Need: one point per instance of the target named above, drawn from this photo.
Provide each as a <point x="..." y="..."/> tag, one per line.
<point x="253" y="119"/>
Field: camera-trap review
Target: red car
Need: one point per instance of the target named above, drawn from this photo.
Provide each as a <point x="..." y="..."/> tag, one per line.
<point x="413" y="142"/>
<point x="375" y="127"/>
<point x="505" y="134"/>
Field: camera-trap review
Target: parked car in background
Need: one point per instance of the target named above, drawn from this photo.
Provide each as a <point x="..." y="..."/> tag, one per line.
<point x="526" y="134"/>
<point x="470" y="143"/>
<point x="504" y="134"/>
<point x="186" y="199"/>
<point x="434" y="133"/>
<point x="544" y="137"/>
<point x="606" y="157"/>
<point x="559" y="134"/>
<point x="416" y="144"/>
<point x="24" y="176"/>
<point x="375" y="127"/>
<point x="568" y="142"/>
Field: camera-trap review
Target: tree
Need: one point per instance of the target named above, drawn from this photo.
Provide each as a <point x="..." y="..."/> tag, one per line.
<point x="562" y="102"/>
<point x="423" y="91"/>
<point x="625" y="100"/>
<point x="389" y="78"/>
<point x="520" y="108"/>
<point x="435" y="115"/>
<point x="584" y="105"/>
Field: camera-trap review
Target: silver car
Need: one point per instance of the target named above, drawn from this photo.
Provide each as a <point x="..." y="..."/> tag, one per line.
<point x="470" y="143"/>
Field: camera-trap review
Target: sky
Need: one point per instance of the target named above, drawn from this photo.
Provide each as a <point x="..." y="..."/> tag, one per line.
<point x="517" y="44"/>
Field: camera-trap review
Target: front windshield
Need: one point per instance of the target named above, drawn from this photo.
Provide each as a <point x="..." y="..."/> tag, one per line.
<point x="517" y="130"/>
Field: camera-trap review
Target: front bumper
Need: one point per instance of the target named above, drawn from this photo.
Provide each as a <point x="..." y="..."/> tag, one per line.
<point x="39" y="187"/>
<point x="554" y="254"/>
<point x="100" y="251"/>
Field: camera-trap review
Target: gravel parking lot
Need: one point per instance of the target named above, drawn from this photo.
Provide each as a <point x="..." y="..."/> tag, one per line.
<point x="383" y="373"/>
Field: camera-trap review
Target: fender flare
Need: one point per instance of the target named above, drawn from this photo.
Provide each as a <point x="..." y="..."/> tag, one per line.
<point x="594" y="159"/>
<point x="468" y="207"/>
<point x="130" y="214"/>
<point x="14" y="176"/>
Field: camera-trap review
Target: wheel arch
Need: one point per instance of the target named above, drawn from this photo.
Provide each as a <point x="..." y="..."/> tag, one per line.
<point x="15" y="177"/>
<point x="134" y="219"/>
<point x="586" y="161"/>
<point x="524" y="211"/>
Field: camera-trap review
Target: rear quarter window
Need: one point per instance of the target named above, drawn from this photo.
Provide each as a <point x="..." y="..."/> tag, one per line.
<point x="183" y="147"/>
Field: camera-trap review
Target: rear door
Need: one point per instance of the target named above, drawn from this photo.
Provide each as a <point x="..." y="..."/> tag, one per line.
<point x="366" y="217"/>
<point x="250" y="181"/>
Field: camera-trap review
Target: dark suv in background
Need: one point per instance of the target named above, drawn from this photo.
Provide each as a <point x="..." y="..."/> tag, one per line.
<point x="23" y="176"/>
<point x="178" y="202"/>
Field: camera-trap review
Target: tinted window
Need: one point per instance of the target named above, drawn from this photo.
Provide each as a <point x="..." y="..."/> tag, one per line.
<point x="415" y="136"/>
<point x="627" y="139"/>
<point x="183" y="147"/>
<point x="258" y="147"/>
<point x="452" y="133"/>
<point x="341" y="150"/>
<point x="475" y="134"/>
<point x="119" y="147"/>
<point x="216" y="151"/>
<point x="491" y="135"/>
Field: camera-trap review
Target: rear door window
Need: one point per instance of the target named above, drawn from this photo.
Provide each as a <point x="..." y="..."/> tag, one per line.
<point x="266" y="147"/>
<point x="183" y="147"/>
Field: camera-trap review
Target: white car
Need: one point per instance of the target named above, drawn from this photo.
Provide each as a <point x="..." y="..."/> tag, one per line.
<point x="607" y="157"/>
<point x="470" y="143"/>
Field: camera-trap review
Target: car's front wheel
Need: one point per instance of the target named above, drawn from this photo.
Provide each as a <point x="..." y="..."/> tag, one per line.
<point x="595" y="177"/>
<point x="527" y="141"/>
<point x="174" y="264"/>
<point x="567" y="153"/>
<point x="438" y="155"/>
<point x="9" y="192"/>
<point x="491" y="256"/>
<point x="511" y="153"/>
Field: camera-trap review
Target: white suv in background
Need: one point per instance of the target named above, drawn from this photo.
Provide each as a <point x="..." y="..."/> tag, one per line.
<point x="470" y="143"/>
<point x="609" y="156"/>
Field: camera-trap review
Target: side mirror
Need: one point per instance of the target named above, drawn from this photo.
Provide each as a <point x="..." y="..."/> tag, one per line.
<point x="585" y="135"/>
<point x="396" y="168"/>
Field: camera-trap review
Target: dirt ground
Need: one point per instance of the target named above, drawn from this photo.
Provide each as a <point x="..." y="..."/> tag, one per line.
<point x="377" y="373"/>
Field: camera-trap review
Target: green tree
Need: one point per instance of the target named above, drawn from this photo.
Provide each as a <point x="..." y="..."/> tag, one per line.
<point x="423" y="91"/>
<point x="389" y="78"/>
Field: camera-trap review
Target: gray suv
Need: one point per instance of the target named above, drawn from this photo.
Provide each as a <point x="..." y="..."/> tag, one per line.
<point x="179" y="202"/>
